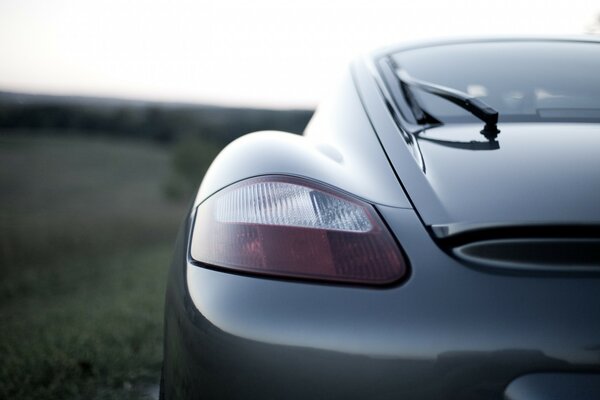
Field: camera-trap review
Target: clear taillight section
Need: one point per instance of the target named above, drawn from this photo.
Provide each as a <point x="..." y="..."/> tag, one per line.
<point x="288" y="226"/>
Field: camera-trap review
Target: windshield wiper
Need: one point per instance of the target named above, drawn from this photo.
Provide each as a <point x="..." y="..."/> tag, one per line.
<point x="472" y="104"/>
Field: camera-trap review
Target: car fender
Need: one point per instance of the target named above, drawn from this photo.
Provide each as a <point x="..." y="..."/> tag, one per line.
<point x="338" y="148"/>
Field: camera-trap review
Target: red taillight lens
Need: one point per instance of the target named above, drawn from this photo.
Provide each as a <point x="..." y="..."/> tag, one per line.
<point x="292" y="227"/>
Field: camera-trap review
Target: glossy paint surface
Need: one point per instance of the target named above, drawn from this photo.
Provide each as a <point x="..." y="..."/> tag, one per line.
<point x="448" y="330"/>
<point x="338" y="148"/>
<point x="553" y="386"/>
<point x="539" y="172"/>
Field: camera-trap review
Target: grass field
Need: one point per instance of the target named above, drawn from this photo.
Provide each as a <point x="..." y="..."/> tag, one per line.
<point x="85" y="241"/>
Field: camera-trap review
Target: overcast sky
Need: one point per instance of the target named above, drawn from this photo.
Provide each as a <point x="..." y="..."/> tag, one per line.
<point x="255" y="52"/>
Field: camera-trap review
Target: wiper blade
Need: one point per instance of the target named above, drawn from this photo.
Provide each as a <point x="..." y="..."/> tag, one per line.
<point x="472" y="104"/>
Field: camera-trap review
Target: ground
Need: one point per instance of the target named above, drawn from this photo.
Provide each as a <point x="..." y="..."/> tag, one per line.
<point x="86" y="235"/>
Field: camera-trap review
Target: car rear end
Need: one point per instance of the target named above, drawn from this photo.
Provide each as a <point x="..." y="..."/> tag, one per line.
<point x="488" y="294"/>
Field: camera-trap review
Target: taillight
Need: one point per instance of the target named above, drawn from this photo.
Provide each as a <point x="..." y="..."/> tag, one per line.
<point x="287" y="226"/>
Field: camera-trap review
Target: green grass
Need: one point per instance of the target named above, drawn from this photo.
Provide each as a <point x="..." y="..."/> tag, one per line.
<point x="85" y="242"/>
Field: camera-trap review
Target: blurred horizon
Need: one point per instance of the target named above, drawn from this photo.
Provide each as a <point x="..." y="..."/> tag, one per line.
<point x="27" y="98"/>
<point x="264" y="54"/>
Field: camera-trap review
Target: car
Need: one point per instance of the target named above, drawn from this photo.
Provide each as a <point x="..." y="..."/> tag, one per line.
<point x="433" y="234"/>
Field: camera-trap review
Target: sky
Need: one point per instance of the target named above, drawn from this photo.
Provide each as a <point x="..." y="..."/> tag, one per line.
<point x="272" y="53"/>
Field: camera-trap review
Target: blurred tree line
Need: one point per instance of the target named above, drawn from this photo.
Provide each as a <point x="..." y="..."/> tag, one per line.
<point x="194" y="134"/>
<point x="162" y="122"/>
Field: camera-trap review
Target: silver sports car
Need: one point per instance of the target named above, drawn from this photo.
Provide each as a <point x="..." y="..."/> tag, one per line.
<point x="433" y="234"/>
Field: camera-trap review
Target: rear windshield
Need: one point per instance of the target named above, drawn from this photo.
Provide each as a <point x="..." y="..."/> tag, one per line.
<point x="523" y="80"/>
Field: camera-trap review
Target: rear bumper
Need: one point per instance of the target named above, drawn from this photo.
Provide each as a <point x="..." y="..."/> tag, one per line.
<point x="448" y="331"/>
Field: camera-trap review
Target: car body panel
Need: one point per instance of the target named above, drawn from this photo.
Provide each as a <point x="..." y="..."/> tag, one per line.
<point x="449" y="330"/>
<point x="337" y="148"/>
<point x="404" y="156"/>
<point x="553" y="386"/>
<point x="233" y="335"/>
<point x="557" y="179"/>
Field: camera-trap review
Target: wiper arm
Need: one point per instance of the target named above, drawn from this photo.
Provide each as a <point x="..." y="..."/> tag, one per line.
<point x="472" y="104"/>
<point x="472" y="145"/>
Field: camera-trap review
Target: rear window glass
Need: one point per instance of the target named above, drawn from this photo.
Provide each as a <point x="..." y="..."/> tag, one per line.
<point x="522" y="80"/>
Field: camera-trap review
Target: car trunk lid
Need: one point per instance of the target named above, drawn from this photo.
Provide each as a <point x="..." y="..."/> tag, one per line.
<point x="534" y="173"/>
